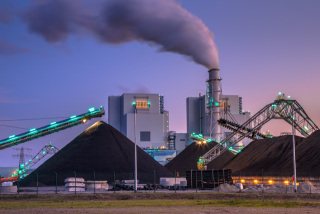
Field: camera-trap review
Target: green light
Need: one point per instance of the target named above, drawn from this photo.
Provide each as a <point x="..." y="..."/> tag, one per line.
<point x="91" y="109"/>
<point x="280" y="93"/>
<point x="133" y="103"/>
<point x="216" y="103"/>
<point x="31" y="130"/>
<point x="11" y="136"/>
<point x="73" y="116"/>
<point x="53" y="123"/>
<point x="306" y="128"/>
<point x="289" y="96"/>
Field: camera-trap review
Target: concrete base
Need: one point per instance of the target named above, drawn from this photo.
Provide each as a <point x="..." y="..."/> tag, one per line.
<point x="72" y="189"/>
<point x="8" y="189"/>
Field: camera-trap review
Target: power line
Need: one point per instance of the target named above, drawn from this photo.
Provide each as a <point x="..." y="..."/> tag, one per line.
<point x="34" y="119"/>
<point x="13" y="127"/>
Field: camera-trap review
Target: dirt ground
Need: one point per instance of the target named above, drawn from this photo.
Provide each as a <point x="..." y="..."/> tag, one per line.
<point x="184" y="209"/>
<point x="165" y="195"/>
<point x="148" y="197"/>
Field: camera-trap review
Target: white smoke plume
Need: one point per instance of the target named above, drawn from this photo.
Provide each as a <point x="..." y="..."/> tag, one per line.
<point x="161" y="22"/>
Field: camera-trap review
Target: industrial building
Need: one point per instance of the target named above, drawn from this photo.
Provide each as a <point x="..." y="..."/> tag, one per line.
<point x="230" y="108"/>
<point x="145" y="115"/>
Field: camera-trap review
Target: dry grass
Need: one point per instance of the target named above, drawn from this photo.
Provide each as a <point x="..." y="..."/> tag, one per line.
<point x="150" y="203"/>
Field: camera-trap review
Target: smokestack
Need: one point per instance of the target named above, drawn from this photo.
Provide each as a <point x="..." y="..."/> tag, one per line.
<point x="212" y="105"/>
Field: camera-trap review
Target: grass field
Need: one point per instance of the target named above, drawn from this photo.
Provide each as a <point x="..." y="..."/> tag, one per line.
<point x="150" y="203"/>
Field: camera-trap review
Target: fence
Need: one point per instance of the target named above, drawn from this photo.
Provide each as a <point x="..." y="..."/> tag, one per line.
<point x="55" y="182"/>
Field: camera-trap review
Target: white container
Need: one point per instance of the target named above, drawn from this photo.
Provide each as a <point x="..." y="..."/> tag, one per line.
<point x="7" y="184"/>
<point x="72" y="180"/>
<point x="171" y="181"/>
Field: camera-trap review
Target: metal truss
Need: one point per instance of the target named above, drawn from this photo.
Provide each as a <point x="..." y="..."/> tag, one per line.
<point x="52" y="128"/>
<point x="47" y="149"/>
<point x="288" y="110"/>
<point x="235" y="127"/>
<point x="23" y="168"/>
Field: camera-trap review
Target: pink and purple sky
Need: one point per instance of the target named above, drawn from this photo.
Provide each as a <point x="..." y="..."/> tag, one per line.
<point x="264" y="47"/>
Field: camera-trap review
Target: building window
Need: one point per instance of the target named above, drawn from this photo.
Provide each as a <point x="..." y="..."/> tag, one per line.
<point x="182" y="140"/>
<point x="144" y="136"/>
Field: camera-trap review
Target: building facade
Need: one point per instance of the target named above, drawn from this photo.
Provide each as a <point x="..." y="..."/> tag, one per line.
<point x="152" y="121"/>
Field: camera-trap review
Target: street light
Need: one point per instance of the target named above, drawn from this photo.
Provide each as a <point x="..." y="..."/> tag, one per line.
<point x="294" y="154"/>
<point x="135" y="149"/>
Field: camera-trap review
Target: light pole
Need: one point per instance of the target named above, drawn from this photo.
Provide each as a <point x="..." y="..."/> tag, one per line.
<point x="294" y="154"/>
<point x="135" y="150"/>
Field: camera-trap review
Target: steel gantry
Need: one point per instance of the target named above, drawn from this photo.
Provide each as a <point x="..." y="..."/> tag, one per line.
<point x="52" y="128"/>
<point x="288" y="110"/>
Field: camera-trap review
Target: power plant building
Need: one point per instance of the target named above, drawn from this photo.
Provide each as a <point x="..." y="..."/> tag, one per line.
<point x="152" y="121"/>
<point x="196" y="114"/>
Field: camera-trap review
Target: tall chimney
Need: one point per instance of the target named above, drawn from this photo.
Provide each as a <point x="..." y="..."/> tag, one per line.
<point x="212" y="129"/>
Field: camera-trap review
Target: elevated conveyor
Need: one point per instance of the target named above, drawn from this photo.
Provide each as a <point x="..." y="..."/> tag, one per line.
<point x="288" y="110"/>
<point x="53" y="127"/>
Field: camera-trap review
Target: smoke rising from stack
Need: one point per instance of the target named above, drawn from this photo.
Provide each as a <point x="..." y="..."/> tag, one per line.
<point x="161" y="22"/>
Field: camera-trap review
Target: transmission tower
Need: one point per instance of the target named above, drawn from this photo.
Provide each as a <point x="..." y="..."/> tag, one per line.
<point x="22" y="155"/>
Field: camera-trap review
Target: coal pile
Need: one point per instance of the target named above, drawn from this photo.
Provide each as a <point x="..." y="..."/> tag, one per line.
<point x="101" y="149"/>
<point x="271" y="155"/>
<point x="188" y="158"/>
<point x="307" y="156"/>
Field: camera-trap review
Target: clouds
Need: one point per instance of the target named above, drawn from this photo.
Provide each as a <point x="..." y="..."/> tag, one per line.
<point x="11" y="49"/>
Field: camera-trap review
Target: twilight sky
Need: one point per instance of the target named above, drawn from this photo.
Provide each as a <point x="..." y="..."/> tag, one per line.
<point x="264" y="47"/>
